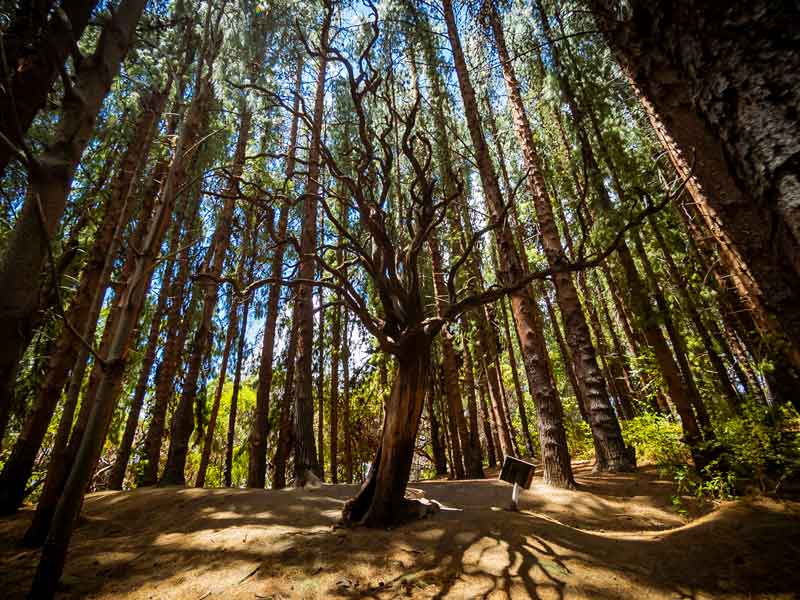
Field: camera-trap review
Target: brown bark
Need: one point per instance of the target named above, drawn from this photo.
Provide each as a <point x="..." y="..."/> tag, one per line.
<point x="724" y="382"/>
<point x="555" y="455"/>
<point x="117" y="474"/>
<point x="49" y="180"/>
<point x="35" y="48"/>
<point x="462" y="448"/>
<point x="83" y="311"/>
<point x="319" y="471"/>
<point x="381" y="500"/>
<point x="489" y="432"/>
<point x="304" y="451"/>
<point x="176" y="327"/>
<point x="237" y="379"/>
<point x="131" y="302"/>
<point x="283" y="446"/>
<point x="613" y="454"/>
<point x="437" y="443"/>
<point x="722" y="85"/>
<point x="257" y="465"/>
<point x="346" y="421"/>
<point x="472" y="406"/>
<point x="205" y="455"/>
<point x="183" y="420"/>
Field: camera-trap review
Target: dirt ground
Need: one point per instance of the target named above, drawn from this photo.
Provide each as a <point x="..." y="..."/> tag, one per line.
<point x="616" y="537"/>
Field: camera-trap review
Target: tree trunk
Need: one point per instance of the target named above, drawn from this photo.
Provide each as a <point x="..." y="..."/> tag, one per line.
<point x="54" y="551"/>
<point x="35" y="48"/>
<point x="555" y="455"/>
<point x="177" y="327"/>
<point x="437" y="444"/>
<point x="333" y="417"/>
<point x="614" y="456"/>
<point x="49" y="181"/>
<point x="489" y="430"/>
<point x="704" y="88"/>
<point x="320" y="466"/>
<point x="237" y="379"/>
<point x="82" y="314"/>
<point x="117" y="474"/>
<point x="304" y="451"/>
<point x="183" y="421"/>
<point x="205" y="455"/>
<point x="381" y="500"/>
<point x="283" y="446"/>
<point x="346" y="422"/>
<point x="459" y="435"/>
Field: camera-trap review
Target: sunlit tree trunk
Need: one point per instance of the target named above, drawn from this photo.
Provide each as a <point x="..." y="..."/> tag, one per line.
<point x="183" y="419"/>
<point x="699" y="72"/>
<point x="555" y="455"/>
<point x="304" y="451"/>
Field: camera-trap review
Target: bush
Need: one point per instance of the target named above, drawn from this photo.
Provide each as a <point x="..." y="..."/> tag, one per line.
<point x="657" y="440"/>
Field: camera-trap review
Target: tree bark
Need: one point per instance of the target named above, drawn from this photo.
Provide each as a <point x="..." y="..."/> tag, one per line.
<point x="700" y="74"/>
<point x="49" y="181"/>
<point x="614" y="456"/>
<point x="83" y="311"/>
<point x="183" y="420"/>
<point x="346" y="421"/>
<point x="205" y="455"/>
<point x="304" y="451"/>
<point x="35" y="48"/>
<point x="283" y="446"/>
<point x="381" y="499"/>
<point x="555" y="455"/>
<point x="117" y="474"/>
<point x="237" y="379"/>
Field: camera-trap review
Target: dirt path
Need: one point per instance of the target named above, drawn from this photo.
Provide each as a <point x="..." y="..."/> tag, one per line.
<point x="615" y="538"/>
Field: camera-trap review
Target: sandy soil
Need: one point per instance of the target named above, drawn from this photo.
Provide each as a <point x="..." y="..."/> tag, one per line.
<point x="616" y="537"/>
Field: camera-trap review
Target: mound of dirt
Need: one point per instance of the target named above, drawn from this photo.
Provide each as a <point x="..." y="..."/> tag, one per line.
<point x="615" y="537"/>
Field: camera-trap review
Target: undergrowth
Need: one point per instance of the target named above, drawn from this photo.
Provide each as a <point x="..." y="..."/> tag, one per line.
<point x="755" y="451"/>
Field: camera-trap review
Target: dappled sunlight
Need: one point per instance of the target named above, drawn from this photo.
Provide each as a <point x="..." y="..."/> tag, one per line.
<point x="186" y="543"/>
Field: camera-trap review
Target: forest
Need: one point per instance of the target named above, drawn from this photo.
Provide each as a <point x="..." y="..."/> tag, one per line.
<point x="283" y="286"/>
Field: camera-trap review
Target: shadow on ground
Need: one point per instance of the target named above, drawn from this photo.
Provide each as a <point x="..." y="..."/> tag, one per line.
<point x="613" y="538"/>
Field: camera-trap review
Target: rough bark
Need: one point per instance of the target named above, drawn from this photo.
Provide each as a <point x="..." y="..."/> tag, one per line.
<point x="205" y="455"/>
<point x="555" y="455"/>
<point x="183" y="421"/>
<point x="51" y="563"/>
<point x="304" y="450"/>
<point x="35" y="48"/>
<point x="117" y="474"/>
<point x="283" y="446"/>
<point x="237" y="379"/>
<point x="381" y="499"/>
<point x="49" y="180"/>
<point x="614" y="456"/>
<point x="83" y="311"/>
<point x="721" y="86"/>
<point x="466" y="463"/>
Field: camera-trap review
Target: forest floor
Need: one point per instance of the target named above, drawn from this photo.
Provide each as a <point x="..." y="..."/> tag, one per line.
<point x="616" y="537"/>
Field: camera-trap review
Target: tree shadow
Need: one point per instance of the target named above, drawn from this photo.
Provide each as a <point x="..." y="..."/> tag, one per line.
<point x="185" y="543"/>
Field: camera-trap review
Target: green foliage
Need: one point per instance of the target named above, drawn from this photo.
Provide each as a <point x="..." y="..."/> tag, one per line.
<point x="657" y="440"/>
<point x="760" y="445"/>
